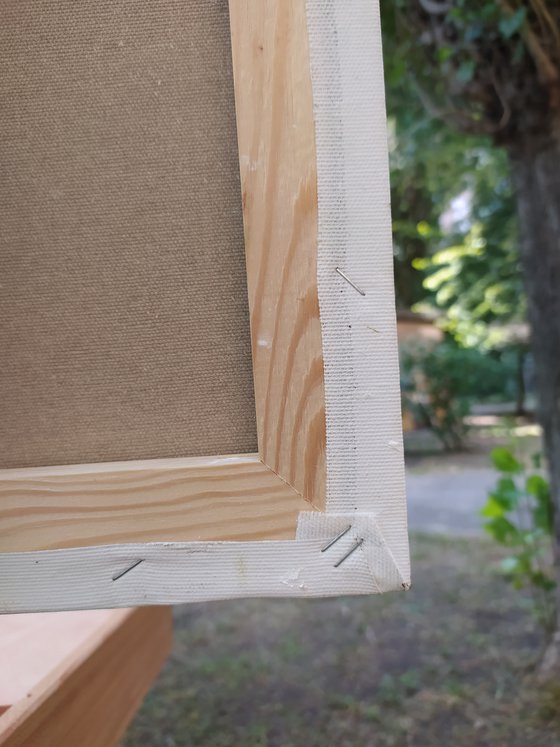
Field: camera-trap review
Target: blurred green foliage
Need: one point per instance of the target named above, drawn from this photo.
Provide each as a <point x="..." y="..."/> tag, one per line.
<point x="474" y="86"/>
<point x="465" y="268"/>
<point x="441" y="383"/>
<point x="519" y="515"/>
<point x="476" y="281"/>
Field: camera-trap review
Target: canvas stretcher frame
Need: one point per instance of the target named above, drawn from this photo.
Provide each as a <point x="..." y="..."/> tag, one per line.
<point x="313" y="159"/>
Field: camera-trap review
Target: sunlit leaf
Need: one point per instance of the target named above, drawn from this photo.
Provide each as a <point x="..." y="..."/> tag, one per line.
<point x="504" y="460"/>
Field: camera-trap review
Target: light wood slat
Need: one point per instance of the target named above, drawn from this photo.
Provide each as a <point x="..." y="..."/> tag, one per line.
<point x="279" y="185"/>
<point x="90" y="697"/>
<point x="227" y="498"/>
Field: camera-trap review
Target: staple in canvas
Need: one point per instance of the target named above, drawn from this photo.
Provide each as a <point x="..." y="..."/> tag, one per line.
<point x="352" y="550"/>
<point x="130" y="568"/>
<point x="338" y="537"/>
<point x="352" y="283"/>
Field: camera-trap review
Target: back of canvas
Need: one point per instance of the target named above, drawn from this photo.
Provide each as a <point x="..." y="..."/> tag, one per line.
<point x="124" y="328"/>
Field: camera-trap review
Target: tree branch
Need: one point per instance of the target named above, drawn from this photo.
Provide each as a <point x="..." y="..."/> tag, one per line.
<point x="506" y="113"/>
<point x="453" y="117"/>
<point x="548" y="72"/>
<point x="544" y="15"/>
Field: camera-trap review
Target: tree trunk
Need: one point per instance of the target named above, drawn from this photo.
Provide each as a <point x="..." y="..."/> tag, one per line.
<point x="536" y="175"/>
<point x="521" y="391"/>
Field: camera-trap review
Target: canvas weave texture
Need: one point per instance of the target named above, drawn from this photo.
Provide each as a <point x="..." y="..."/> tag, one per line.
<point x="124" y="329"/>
<point x="365" y="462"/>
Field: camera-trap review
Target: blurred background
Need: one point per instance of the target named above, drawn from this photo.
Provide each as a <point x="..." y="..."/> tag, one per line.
<point x="472" y="90"/>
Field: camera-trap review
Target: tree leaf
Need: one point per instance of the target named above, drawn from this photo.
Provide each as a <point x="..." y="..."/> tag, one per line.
<point x="504" y="461"/>
<point x="537" y="486"/>
<point x="493" y="508"/>
<point x="466" y="71"/>
<point x="507" y="492"/>
<point x="504" y="531"/>
<point x="511" y="25"/>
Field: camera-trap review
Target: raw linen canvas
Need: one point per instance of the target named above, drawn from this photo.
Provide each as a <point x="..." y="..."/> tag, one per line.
<point x="124" y="330"/>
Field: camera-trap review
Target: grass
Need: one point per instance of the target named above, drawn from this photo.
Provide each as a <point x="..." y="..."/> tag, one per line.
<point x="448" y="664"/>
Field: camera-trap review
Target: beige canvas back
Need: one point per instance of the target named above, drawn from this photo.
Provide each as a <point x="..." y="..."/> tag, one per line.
<point x="124" y="329"/>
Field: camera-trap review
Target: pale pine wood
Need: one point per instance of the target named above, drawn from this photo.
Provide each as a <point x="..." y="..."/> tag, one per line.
<point x="92" y="693"/>
<point x="227" y="498"/>
<point x="33" y="645"/>
<point x="279" y="184"/>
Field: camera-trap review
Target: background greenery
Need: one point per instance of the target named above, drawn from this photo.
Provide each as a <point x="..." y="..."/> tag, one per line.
<point x="454" y="222"/>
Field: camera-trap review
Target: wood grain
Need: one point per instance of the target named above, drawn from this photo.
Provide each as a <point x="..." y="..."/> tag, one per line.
<point x="89" y="698"/>
<point x="279" y="184"/>
<point x="33" y="645"/>
<point x="227" y="498"/>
